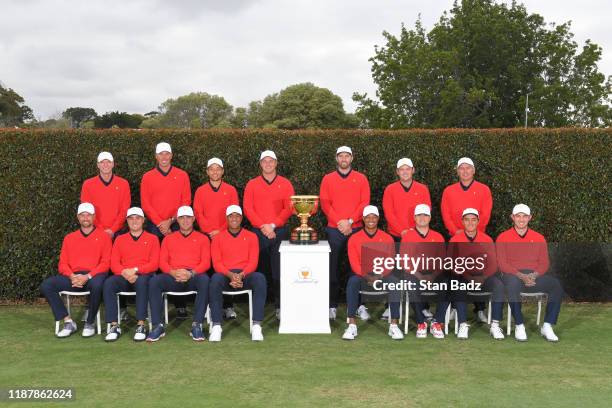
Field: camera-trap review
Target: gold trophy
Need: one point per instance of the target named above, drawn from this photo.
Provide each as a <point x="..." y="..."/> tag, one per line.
<point x="304" y="206"/>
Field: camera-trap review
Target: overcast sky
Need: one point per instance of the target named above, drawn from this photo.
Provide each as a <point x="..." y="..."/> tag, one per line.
<point x="132" y="55"/>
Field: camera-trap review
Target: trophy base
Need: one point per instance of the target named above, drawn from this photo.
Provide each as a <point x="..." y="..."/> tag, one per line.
<point x="301" y="237"/>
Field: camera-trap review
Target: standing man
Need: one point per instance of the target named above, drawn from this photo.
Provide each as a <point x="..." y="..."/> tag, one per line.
<point x="267" y="206"/>
<point x="83" y="266"/>
<point x="209" y="204"/>
<point x="184" y="260"/>
<point x="109" y="194"/>
<point x="235" y="252"/>
<point x="466" y="193"/>
<point x="344" y="194"/>
<point x="474" y="244"/>
<point x="363" y="246"/>
<point x="523" y="260"/>
<point x="162" y="191"/>
<point x="135" y="258"/>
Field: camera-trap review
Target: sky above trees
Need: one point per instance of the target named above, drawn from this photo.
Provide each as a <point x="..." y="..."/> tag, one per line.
<point x="130" y="56"/>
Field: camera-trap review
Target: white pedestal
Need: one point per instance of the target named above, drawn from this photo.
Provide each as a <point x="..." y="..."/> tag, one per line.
<point x="304" y="288"/>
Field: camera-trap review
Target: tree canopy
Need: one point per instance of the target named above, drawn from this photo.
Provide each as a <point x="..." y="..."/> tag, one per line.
<point x="476" y="67"/>
<point x="196" y="110"/>
<point x="13" y="110"/>
<point x="77" y="115"/>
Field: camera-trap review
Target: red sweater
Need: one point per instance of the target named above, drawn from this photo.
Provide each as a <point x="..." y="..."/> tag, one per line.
<point x="209" y="205"/>
<point x="455" y="199"/>
<point x="268" y="203"/>
<point x="185" y="252"/>
<point x="527" y="252"/>
<point x="344" y="197"/>
<point x="399" y="203"/>
<point x="430" y="245"/>
<point x="480" y="246"/>
<point x="363" y="248"/>
<point x="111" y="201"/>
<point x="239" y="251"/>
<point x="161" y="194"/>
<point x="89" y="253"/>
<point x="142" y="252"/>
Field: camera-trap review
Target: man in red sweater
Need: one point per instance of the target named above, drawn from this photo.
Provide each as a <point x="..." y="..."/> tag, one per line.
<point x="267" y="207"/>
<point x="209" y="204"/>
<point x="422" y="241"/>
<point x="83" y="266"/>
<point x="363" y="247"/>
<point x="475" y="263"/>
<point x="109" y="194"/>
<point x="235" y="254"/>
<point x="162" y="191"/>
<point x="467" y="193"/>
<point x="522" y="255"/>
<point x="183" y="260"/>
<point x="135" y="258"/>
<point x="344" y="194"/>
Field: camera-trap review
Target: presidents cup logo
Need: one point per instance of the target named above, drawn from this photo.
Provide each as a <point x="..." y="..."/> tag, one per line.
<point x="305" y="275"/>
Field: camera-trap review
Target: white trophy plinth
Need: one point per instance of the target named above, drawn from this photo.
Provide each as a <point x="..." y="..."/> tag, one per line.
<point x="304" y="280"/>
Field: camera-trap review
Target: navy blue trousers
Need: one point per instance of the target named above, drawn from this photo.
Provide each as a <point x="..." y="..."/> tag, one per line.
<point x="269" y="258"/>
<point x="418" y="304"/>
<point x="356" y="283"/>
<point x="163" y="282"/>
<point x="256" y="281"/>
<point x="118" y="283"/>
<point x="53" y="285"/>
<point x="337" y="242"/>
<point x="492" y="284"/>
<point x="545" y="283"/>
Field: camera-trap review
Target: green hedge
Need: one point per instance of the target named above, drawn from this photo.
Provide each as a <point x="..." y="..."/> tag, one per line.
<point x="562" y="174"/>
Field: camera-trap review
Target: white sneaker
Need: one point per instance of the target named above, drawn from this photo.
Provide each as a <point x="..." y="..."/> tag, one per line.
<point x="519" y="332"/>
<point x="421" y="331"/>
<point x="215" y="333"/>
<point x="256" y="334"/>
<point x="89" y="330"/>
<point x="385" y="315"/>
<point x="363" y="314"/>
<point x="350" y="333"/>
<point x="463" y="332"/>
<point x="141" y="333"/>
<point x="332" y="313"/>
<point x="548" y="332"/>
<point x="428" y="315"/>
<point x="277" y="314"/>
<point x="69" y="328"/>
<point x="482" y="317"/>
<point x="496" y="331"/>
<point x="436" y="330"/>
<point x="229" y="313"/>
<point x="395" y="332"/>
<point x="113" y="334"/>
<point x="453" y="315"/>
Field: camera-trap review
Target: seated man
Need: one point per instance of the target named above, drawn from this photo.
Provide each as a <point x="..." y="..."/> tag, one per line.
<point x="235" y="253"/>
<point x="134" y="259"/>
<point x="522" y="255"/>
<point x="422" y="241"/>
<point x="363" y="246"/>
<point x="184" y="259"/>
<point x="83" y="266"/>
<point x="472" y="246"/>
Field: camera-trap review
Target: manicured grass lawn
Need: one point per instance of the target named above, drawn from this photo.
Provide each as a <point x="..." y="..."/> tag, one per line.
<point x="315" y="370"/>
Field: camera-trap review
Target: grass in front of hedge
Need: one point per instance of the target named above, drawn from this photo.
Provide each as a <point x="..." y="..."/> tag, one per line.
<point x="315" y="370"/>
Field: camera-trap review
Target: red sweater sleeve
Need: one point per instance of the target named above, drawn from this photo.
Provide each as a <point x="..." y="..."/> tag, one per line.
<point x="63" y="267"/>
<point x="427" y="196"/>
<point x="145" y="200"/>
<point x="487" y="207"/>
<point x="364" y="199"/>
<point x="249" y="209"/>
<point x="491" y="258"/>
<point x="104" y="263"/>
<point x="164" y="257"/>
<point x="286" y="212"/>
<point x="251" y="266"/>
<point x="446" y="214"/>
<point x="217" y="259"/>
<point x="354" y="255"/>
<point x="234" y="200"/>
<point x="198" y="208"/>
<point x="389" y="210"/>
<point x="543" y="261"/>
<point x="204" y="264"/>
<point x="116" y="265"/>
<point x="126" y="199"/>
<point x="326" y="202"/>
<point x="502" y="259"/>
<point x="85" y="194"/>
<point x="186" y="192"/>
<point x="153" y="263"/>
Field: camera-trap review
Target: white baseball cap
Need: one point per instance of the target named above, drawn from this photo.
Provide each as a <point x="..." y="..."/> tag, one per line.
<point x="86" y="208"/>
<point x="465" y="160"/>
<point x="214" y="160"/>
<point x="267" y="153"/>
<point x="233" y="209"/>
<point x="135" y="211"/>
<point x="422" y="209"/>
<point x="184" y="211"/>
<point x="344" y="149"/>
<point x="370" y="209"/>
<point x="521" y="208"/>
<point x="105" y="156"/>
<point x="163" y="147"/>
<point x="404" y="162"/>
<point x="472" y="211"/>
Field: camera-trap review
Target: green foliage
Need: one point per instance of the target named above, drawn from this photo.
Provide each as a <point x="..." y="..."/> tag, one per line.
<point x="116" y="119"/>
<point x="475" y="68"/>
<point x="78" y="116"/>
<point x="197" y="110"/>
<point x="562" y="174"/>
<point x="13" y="110"/>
